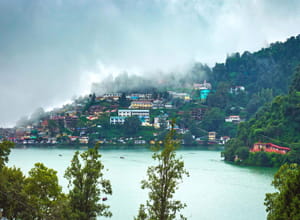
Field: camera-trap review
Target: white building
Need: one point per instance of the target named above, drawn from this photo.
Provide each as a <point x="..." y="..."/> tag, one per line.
<point x="233" y="119"/>
<point x="133" y="112"/>
<point x="116" y="120"/>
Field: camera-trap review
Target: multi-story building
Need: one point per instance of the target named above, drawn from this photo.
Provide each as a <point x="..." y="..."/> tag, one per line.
<point x="198" y="113"/>
<point x="142" y="104"/>
<point x="269" y="147"/>
<point x="233" y="119"/>
<point x="212" y="135"/>
<point x="114" y="120"/>
<point x="133" y="112"/>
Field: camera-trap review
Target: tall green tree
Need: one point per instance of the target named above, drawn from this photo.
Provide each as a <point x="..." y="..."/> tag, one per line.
<point x="44" y="195"/>
<point x="5" y="148"/>
<point x="163" y="181"/>
<point x="132" y="125"/>
<point x="295" y="85"/>
<point x="85" y="176"/>
<point x="12" y="198"/>
<point x="285" y="204"/>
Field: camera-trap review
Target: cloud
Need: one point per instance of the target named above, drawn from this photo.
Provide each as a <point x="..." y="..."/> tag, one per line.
<point x="51" y="50"/>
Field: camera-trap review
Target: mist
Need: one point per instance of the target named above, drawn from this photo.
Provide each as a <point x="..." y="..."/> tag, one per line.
<point x="53" y="50"/>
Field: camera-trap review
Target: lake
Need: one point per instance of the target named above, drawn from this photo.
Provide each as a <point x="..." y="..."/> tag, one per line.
<point x="215" y="189"/>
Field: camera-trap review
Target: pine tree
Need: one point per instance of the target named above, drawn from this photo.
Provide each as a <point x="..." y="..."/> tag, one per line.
<point x="87" y="185"/>
<point x="163" y="180"/>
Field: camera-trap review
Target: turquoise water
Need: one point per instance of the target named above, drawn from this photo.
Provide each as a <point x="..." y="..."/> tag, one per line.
<point x="215" y="190"/>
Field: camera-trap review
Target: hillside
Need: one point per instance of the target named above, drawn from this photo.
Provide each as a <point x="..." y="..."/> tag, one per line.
<point x="277" y="122"/>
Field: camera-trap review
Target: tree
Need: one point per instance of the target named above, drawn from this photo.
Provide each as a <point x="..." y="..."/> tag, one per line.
<point x="87" y="185"/>
<point x="5" y="151"/>
<point x="295" y="85"/>
<point x="132" y="125"/>
<point x="188" y="138"/>
<point x="44" y="194"/>
<point x="123" y="101"/>
<point x="213" y="119"/>
<point x="163" y="180"/>
<point x="285" y="204"/>
<point x="12" y="199"/>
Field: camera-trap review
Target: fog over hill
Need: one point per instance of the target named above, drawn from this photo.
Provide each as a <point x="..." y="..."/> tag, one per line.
<point x="51" y="50"/>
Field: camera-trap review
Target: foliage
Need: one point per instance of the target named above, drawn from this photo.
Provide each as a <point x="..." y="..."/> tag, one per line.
<point x="213" y="119"/>
<point x="163" y="180"/>
<point x="285" y="204"/>
<point x="43" y="193"/>
<point x="4" y="152"/>
<point x="12" y="199"/>
<point x="132" y="125"/>
<point x="277" y="122"/>
<point x="87" y="185"/>
<point x="295" y="85"/>
<point x="123" y="102"/>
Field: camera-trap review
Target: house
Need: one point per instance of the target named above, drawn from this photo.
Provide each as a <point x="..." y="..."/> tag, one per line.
<point x="109" y="96"/>
<point x="269" y="147"/>
<point x="83" y="140"/>
<point x="212" y="135"/>
<point x="198" y="113"/>
<point x="142" y="104"/>
<point x="96" y="110"/>
<point x="180" y="95"/>
<point x="142" y="114"/>
<point x="70" y="121"/>
<point x="168" y="106"/>
<point x="73" y="138"/>
<point x="117" y="120"/>
<point x="158" y="104"/>
<point x="237" y="89"/>
<point x="204" y="93"/>
<point x="204" y="89"/>
<point x="137" y="96"/>
<point x="139" y="142"/>
<point x="224" y="139"/>
<point x="233" y="119"/>
<point x="202" y="86"/>
<point x="133" y="112"/>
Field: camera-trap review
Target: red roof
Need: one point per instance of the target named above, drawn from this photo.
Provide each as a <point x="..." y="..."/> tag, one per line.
<point x="279" y="147"/>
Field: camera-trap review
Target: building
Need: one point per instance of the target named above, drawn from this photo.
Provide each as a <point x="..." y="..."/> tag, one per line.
<point x="158" y="104"/>
<point x="142" y="104"/>
<point x="96" y="110"/>
<point x="168" y="105"/>
<point x="204" y="89"/>
<point x="133" y="112"/>
<point x="233" y="119"/>
<point x="114" y="120"/>
<point x="197" y="113"/>
<point x="83" y="140"/>
<point x="142" y="114"/>
<point x="202" y="86"/>
<point x="203" y="94"/>
<point x="113" y="96"/>
<point x="269" y="147"/>
<point x="237" y="89"/>
<point x="138" y="96"/>
<point x="71" y="121"/>
<point x="224" y="139"/>
<point x="212" y="135"/>
<point x="180" y="95"/>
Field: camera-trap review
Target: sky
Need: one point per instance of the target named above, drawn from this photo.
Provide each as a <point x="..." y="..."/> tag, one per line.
<point x="54" y="50"/>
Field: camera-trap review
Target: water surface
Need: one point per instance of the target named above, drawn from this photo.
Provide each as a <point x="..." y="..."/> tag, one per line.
<point x="215" y="189"/>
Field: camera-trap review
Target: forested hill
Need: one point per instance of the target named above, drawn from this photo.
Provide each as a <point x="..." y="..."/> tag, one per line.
<point x="277" y="122"/>
<point x="270" y="67"/>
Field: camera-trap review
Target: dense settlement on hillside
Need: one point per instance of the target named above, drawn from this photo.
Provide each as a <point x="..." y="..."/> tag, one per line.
<point x="140" y="105"/>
